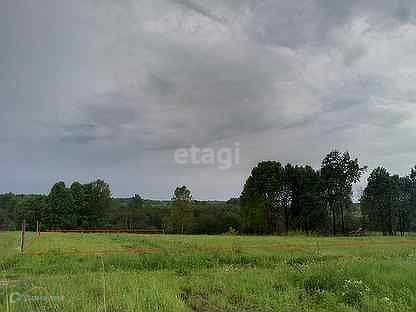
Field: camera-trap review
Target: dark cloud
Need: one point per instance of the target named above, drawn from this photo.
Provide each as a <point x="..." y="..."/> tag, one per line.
<point x="200" y="9"/>
<point x="159" y="86"/>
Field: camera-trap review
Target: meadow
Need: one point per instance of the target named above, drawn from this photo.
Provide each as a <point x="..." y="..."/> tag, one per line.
<point x="125" y="272"/>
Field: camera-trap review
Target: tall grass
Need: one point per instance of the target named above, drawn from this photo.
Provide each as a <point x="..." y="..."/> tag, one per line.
<point x="107" y="273"/>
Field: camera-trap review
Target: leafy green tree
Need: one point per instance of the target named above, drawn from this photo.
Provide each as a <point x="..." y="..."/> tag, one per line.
<point x="392" y="200"/>
<point x="402" y="197"/>
<point x="8" y="209"/>
<point x="286" y="195"/>
<point x="135" y="214"/>
<point x="379" y="201"/>
<point x="98" y="203"/>
<point x="60" y="207"/>
<point x="262" y="198"/>
<point x="32" y="209"/>
<point x="181" y="217"/>
<point x="339" y="172"/>
<point x="216" y="217"/>
<point x="412" y="199"/>
<point x="3" y="217"/>
<point x="308" y="212"/>
<point x="80" y="203"/>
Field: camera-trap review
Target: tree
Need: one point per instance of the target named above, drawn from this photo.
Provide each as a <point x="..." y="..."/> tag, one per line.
<point x="276" y="199"/>
<point x="412" y="199"/>
<point x="261" y="199"/>
<point x="308" y="213"/>
<point x="388" y="202"/>
<point x="60" y="207"/>
<point x="216" y="217"/>
<point x="80" y="203"/>
<point x="181" y="217"/>
<point x="8" y="209"/>
<point x="402" y="196"/>
<point x="32" y="209"/>
<point x="286" y="197"/>
<point x="135" y="214"/>
<point x="378" y="201"/>
<point x="98" y="203"/>
<point x="339" y="172"/>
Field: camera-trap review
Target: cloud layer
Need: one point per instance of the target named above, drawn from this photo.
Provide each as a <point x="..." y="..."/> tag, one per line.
<point x="102" y="89"/>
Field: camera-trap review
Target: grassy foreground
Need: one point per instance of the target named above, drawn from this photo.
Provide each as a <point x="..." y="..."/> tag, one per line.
<point x="111" y="273"/>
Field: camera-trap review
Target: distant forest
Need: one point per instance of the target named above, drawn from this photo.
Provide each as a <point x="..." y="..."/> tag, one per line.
<point x="276" y="199"/>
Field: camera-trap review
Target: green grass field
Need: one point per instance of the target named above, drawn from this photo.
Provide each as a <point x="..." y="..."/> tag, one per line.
<point x="110" y="273"/>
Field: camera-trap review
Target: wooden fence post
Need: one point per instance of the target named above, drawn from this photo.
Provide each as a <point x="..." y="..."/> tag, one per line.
<point x="22" y="237"/>
<point x="37" y="228"/>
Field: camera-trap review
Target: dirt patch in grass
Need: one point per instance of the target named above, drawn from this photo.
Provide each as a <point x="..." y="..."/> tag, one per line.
<point x="242" y="248"/>
<point x="202" y="301"/>
<point x="367" y="244"/>
<point x="287" y="248"/>
<point x="142" y="250"/>
<point x="103" y="253"/>
<point x="198" y="302"/>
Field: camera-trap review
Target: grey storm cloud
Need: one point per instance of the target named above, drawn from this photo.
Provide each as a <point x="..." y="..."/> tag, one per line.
<point x="111" y="88"/>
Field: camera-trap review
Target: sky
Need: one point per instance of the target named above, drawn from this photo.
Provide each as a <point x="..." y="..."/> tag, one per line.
<point x="111" y="89"/>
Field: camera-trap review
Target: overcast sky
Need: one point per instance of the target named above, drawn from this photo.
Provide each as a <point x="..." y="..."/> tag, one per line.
<point x="110" y="88"/>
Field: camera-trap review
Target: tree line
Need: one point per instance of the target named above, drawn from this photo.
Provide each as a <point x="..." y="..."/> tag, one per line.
<point x="92" y="206"/>
<point x="276" y="199"/>
<point x="389" y="202"/>
<point x="80" y="205"/>
<point x="279" y="199"/>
